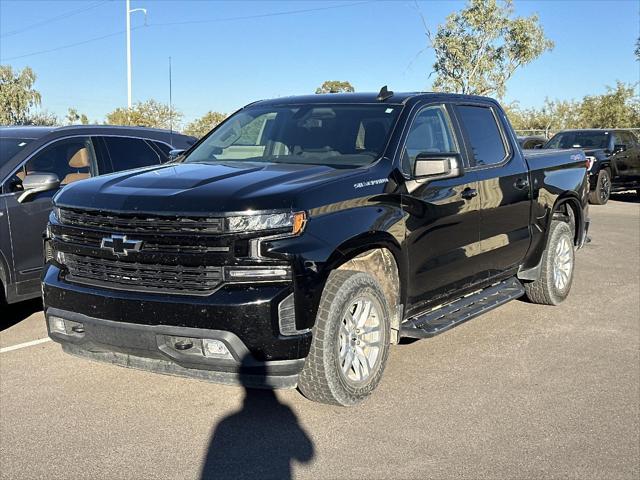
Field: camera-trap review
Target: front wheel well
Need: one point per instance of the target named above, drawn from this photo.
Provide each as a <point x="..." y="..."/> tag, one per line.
<point x="381" y="264"/>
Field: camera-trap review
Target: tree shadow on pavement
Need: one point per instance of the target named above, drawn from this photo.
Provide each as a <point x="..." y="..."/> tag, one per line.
<point x="261" y="440"/>
<point x="627" y="197"/>
<point x="14" y="313"/>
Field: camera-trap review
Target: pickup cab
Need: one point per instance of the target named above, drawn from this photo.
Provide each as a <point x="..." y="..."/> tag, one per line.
<point x="303" y="236"/>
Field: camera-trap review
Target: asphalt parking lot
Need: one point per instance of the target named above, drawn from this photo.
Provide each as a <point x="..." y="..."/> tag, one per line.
<point x="523" y="392"/>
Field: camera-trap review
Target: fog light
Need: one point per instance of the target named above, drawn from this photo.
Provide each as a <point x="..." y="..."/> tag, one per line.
<point x="56" y="324"/>
<point x="215" y="349"/>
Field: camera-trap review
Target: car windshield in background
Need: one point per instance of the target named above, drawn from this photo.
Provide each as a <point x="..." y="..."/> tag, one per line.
<point x="324" y="134"/>
<point x="9" y="147"/>
<point x="579" y="140"/>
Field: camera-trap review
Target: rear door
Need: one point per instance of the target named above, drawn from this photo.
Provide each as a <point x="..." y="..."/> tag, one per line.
<point x="628" y="155"/>
<point x="71" y="159"/>
<point x="503" y="183"/>
<point x="442" y="216"/>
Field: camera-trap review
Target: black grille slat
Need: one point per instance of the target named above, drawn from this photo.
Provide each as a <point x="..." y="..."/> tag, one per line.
<point x="147" y="246"/>
<point x="141" y="223"/>
<point x="141" y="276"/>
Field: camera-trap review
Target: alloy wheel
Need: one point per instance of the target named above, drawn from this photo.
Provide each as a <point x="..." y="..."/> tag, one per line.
<point x="360" y="340"/>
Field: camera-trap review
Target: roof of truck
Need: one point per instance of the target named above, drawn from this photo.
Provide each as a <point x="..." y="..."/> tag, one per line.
<point x="366" y="97"/>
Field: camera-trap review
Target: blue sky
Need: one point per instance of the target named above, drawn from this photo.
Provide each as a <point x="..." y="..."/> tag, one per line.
<point x="221" y="62"/>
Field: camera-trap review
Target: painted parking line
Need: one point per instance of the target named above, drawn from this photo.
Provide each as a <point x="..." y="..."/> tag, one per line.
<point x="24" y="345"/>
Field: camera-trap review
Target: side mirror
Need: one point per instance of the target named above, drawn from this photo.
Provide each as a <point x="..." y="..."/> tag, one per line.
<point x="175" y="153"/>
<point x="538" y="146"/>
<point x="437" y="165"/>
<point x="619" y="147"/>
<point x="38" y="182"/>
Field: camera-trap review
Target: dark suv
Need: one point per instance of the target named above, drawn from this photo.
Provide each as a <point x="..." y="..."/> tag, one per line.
<point x="613" y="155"/>
<point x="35" y="162"/>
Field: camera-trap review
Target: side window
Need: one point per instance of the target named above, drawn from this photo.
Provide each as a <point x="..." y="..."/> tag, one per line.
<point x="483" y="133"/>
<point x="70" y="159"/>
<point x="127" y="153"/>
<point x="430" y="133"/>
<point x="164" y="148"/>
<point x="627" y="139"/>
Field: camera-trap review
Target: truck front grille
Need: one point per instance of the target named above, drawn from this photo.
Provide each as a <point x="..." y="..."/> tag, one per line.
<point x="140" y="223"/>
<point x="201" y="280"/>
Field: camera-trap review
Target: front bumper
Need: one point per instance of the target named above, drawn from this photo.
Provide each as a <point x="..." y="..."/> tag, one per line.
<point x="137" y="329"/>
<point x="161" y="349"/>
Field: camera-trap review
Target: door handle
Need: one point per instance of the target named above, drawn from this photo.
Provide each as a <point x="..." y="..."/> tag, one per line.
<point x="521" y="183"/>
<point x="469" y="193"/>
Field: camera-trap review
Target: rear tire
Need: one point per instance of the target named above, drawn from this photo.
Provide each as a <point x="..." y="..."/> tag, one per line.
<point x="350" y="341"/>
<point x="602" y="192"/>
<point x="556" y="274"/>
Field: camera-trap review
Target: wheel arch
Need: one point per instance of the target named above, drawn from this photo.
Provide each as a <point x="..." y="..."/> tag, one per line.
<point x="378" y="254"/>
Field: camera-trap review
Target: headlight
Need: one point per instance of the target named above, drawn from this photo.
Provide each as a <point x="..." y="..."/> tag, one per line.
<point x="276" y="221"/>
<point x="56" y="213"/>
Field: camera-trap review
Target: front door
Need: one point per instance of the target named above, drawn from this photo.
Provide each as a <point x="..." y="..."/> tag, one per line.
<point x="503" y="182"/>
<point x="442" y="216"/>
<point x="71" y="159"/>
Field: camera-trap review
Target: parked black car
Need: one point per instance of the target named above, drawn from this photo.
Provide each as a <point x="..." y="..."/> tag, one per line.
<point x="613" y="155"/>
<point x="35" y="162"/>
<point x="304" y="235"/>
<point x="532" y="142"/>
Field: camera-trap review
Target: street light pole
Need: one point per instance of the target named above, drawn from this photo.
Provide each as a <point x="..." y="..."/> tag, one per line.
<point x="128" y="15"/>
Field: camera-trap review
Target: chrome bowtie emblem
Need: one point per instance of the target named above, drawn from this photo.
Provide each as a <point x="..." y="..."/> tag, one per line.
<point x="120" y="245"/>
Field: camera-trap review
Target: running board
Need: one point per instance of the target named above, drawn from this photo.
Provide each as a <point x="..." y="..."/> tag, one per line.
<point x="449" y="315"/>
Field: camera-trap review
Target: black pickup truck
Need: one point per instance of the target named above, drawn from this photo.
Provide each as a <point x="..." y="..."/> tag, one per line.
<point x="304" y="235"/>
<point x="613" y="158"/>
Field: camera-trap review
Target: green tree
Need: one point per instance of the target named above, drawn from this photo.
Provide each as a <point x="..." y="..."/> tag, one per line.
<point x="42" y="118"/>
<point x="73" y="117"/>
<point x="17" y="95"/>
<point x="146" y="114"/>
<point x="479" y="48"/>
<point x="618" y="108"/>
<point x="335" y="86"/>
<point x="203" y="125"/>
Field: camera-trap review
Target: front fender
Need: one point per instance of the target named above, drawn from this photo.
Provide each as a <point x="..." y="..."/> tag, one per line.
<point x="332" y="236"/>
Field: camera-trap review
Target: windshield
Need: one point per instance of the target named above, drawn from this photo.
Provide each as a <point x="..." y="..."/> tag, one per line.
<point x="324" y="134"/>
<point x="9" y="147"/>
<point x="579" y="140"/>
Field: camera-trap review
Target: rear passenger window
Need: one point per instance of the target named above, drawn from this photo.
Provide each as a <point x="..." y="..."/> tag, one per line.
<point x="483" y="134"/>
<point x="128" y="153"/>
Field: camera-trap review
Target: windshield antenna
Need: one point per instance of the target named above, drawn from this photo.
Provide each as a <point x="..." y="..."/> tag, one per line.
<point x="384" y="94"/>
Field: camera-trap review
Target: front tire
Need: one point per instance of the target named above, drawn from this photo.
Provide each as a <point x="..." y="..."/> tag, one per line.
<point x="350" y="341"/>
<point x="556" y="275"/>
<point x="602" y="192"/>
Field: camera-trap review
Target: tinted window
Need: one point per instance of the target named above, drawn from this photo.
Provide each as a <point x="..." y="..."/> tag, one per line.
<point x="483" y="133"/>
<point x="584" y="139"/>
<point x="164" y="148"/>
<point x="626" y="138"/>
<point x="430" y="133"/>
<point x="128" y="153"/>
<point x="326" y="134"/>
<point x="70" y="159"/>
<point x="9" y="147"/>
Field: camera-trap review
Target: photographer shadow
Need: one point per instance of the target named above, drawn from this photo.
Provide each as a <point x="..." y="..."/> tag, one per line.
<point x="261" y="440"/>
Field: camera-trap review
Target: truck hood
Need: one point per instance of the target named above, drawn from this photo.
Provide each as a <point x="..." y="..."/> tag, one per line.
<point x="203" y="188"/>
